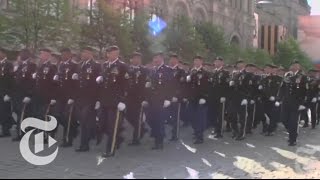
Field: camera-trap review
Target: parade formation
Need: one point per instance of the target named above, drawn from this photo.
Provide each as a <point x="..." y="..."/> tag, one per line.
<point x="92" y="99"/>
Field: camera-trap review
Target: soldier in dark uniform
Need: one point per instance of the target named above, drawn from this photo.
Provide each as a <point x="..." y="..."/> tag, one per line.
<point x="177" y="88"/>
<point x="293" y="92"/>
<point x="136" y="97"/>
<point x="219" y="88"/>
<point x="271" y="86"/>
<point x="24" y="89"/>
<point x="46" y="89"/>
<point x="6" y="88"/>
<point x="313" y="89"/>
<point x="159" y="99"/>
<point x="198" y="86"/>
<point x="88" y="97"/>
<point x="114" y="82"/>
<point x="69" y="86"/>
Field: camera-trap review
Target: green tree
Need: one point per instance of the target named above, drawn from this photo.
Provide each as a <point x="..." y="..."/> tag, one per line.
<point x="213" y="38"/>
<point x="288" y="51"/>
<point x="182" y="38"/>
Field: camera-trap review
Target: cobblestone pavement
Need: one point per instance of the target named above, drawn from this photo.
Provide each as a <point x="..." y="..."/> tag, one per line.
<point x="256" y="157"/>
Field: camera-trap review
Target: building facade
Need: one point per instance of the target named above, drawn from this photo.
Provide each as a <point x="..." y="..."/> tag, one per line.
<point x="278" y="21"/>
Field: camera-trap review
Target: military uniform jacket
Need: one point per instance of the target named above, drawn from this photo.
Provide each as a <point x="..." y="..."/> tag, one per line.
<point x="271" y="87"/>
<point x="114" y="87"/>
<point x="198" y="87"/>
<point x="89" y="72"/>
<point x="136" y="91"/>
<point x="24" y="83"/>
<point x="313" y="89"/>
<point x="6" y="78"/>
<point x="178" y="83"/>
<point x="161" y="78"/>
<point x="294" y="90"/>
<point x="46" y="88"/>
<point x="245" y="85"/>
<point x="219" y="84"/>
<point x="68" y="88"/>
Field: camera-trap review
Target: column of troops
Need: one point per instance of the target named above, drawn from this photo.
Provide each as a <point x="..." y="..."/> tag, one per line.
<point x="95" y="98"/>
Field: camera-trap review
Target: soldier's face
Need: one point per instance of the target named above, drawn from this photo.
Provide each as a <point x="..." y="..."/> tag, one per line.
<point x="173" y="62"/>
<point x="197" y="63"/>
<point x="218" y="63"/>
<point x="44" y="56"/>
<point x="65" y="56"/>
<point x="136" y="60"/>
<point x="295" y="67"/>
<point x="2" y="55"/>
<point x="113" y="55"/>
<point x="86" y="55"/>
<point x="241" y="66"/>
<point x="158" y="61"/>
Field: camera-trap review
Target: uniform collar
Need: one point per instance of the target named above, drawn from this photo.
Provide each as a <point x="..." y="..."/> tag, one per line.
<point x="160" y="66"/>
<point x="26" y="61"/>
<point x="219" y="69"/>
<point x="175" y="67"/>
<point x="4" y="60"/>
<point x="295" y="73"/>
<point x="47" y="62"/>
<point x="197" y="69"/>
<point x="113" y="62"/>
<point x="67" y="62"/>
<point x="88" y="61"/>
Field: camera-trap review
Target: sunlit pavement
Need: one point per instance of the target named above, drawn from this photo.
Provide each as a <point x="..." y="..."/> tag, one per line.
<point x="255" y="157"/>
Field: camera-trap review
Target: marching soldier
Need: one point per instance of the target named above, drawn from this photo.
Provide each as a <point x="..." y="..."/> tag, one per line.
<point x="293" y="92"/>
<point x="69" y="85"/>
<point x="198" y="84"/>
<point x="177" y="86"/>
<point x="46" y="89"/>
<point x="113" y="80"/>
<point x="88" y="97"/>
<point x="313" y="89"/>
<point x="136" y="97"/>
<point x="218" y="94"/>
<point x="159" y="99"/>
<point x="24" y="89"/>
<point x="6" y="88"/>
<point x="271" y="86"/>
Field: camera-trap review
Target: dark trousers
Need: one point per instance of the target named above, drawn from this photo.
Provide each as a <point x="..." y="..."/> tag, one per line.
<point x="199" y="119"/>
<point x="108" y="117"/>
<point x="313" y="109"/>
<point x="272" y="112"/>
<point x="290" y="116"/>
<point x="185" y="113"/>
<point x="29" y="111"/>
<point x="6" y="117"/>
<point x="66" y="116"/>
<point x="157" y="118"/>
<point x="173" y="110"/>
<point x="87" y="117"/>
<point x="133" y="116"/>
<point x="220" y="112"/>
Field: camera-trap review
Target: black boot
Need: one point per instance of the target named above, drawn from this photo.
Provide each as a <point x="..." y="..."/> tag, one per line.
<point x="83" y="149"/>
<point x="158" y="145"/>
<point x="134" y="143"/>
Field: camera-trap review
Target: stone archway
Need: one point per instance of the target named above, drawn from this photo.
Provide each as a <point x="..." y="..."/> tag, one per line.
<point x="200" y="15"/>
<point x="180" y="8"/>
<point x="235" y="40"/>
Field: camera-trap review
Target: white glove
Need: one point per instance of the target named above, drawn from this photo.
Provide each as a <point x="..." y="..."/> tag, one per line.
<point x="121" y="106"/>
<point x="260" y="87"/>
<point x="314" y="100"/>
<point x="222" y="100"/>
<point x="6" y="98"/>
<point x="144" y="104"/>
<point x="26" y="100"/>
<point x="99" y="79"/>
<point x="75" y="76"/>
<point x="97" y="106"/>
<point x="185" y="100"/>
<point x="174" y="99"/>
<point x="272" y="98"/>
<point x="53" y="102"/>
<point x="15" y="68"/>
<point x="202" y="101"/>
<point x="34" y="76"/>
<point x="70" y="101"/>
<point x="231" y="83"/>
<point x="148" y="84"/>
<point x="252" y="102"/>
<point x="277" y="104"/>
<point x="188" y="78"/>
<point x="244" y="102"/>
<point x="301" y="108"/>
<point x="166" y="104"/>
<point x="56" y="78"/>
